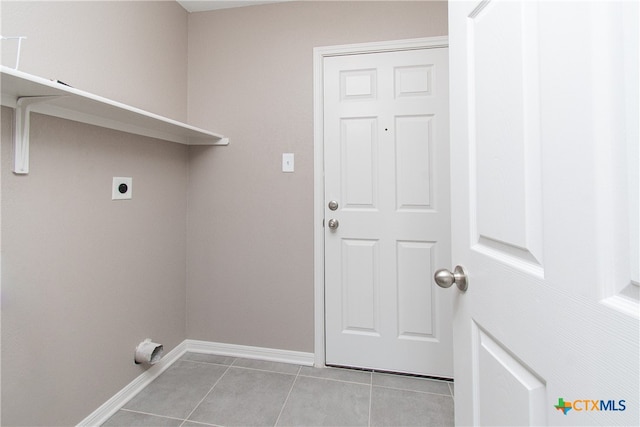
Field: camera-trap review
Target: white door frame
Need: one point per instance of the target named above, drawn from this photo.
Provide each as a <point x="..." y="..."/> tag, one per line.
<point x="319" y="53"/>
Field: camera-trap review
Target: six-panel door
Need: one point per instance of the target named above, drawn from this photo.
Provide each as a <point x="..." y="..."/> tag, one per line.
<point x="387" y="166"/>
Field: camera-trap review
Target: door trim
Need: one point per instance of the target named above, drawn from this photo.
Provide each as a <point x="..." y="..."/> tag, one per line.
<point x="319" y="53"/>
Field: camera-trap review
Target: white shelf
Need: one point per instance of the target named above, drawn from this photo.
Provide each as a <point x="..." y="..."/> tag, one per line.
<point x="27" y="93"/>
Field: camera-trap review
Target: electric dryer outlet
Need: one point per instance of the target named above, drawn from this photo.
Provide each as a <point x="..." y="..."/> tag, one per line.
<point x="122" y="188"/>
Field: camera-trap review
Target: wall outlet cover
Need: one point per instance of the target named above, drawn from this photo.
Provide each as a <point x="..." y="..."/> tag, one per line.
<point x="122" y="188"/>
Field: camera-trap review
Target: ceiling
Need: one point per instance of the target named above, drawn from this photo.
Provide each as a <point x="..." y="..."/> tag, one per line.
<point x="205" y="5"/>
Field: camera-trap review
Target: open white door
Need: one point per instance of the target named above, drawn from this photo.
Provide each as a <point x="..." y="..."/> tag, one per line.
<point x="544" y="134"/>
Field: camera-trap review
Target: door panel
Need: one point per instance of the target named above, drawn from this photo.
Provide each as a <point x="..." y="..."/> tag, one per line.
<point x="386" y="164"/>
<point x="504" y="138"/>
<point x="413" y="162"/>
<point x="501" y="377"/>
<point x="360" y="305"/>
<point x="414" y="80"/>
<point x="359" y="162"/>
<point x="541" y="212"/>
<point x="415" y="301"/>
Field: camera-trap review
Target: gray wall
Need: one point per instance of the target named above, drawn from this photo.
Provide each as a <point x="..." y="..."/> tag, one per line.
<point x="250" y="227"/>
<point x="84" y="278"/>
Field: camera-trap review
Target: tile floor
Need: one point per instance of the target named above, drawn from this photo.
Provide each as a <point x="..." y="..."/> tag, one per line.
<point x="201" y="390"/>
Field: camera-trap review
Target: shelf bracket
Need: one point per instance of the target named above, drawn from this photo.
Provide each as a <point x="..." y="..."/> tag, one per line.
<point x="21" y="131"/>
<point x="223" y="141"/>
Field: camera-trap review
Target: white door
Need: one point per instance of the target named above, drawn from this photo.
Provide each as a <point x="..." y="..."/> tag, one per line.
<point x="386" y="157"/>
<point x="544" y="134"/>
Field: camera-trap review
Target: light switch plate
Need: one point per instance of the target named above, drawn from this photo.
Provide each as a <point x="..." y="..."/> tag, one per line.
<point x="287" y="162"/>
<point x="122" y="188"/>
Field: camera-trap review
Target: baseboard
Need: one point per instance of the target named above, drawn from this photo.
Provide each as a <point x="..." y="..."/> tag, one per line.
<point x="111" y="406"/>
<point x="250" y="352"/>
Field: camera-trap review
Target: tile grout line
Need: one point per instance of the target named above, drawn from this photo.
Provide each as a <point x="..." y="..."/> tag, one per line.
<point x="205" y="396"/>
<point x="288" y="394"/>
<point x="371" y="373"/>
<point x="412" y="377"/>
<point x="201" y="423"/>
<point x="370" y="400"/>
<point x="265" y="370"/>
<point x="412" y="390"/>
<point x="334" y="379"/>
<point x="150" y="413"/>
<point x="232" y="365"/>
<point x="206" y="363"/>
